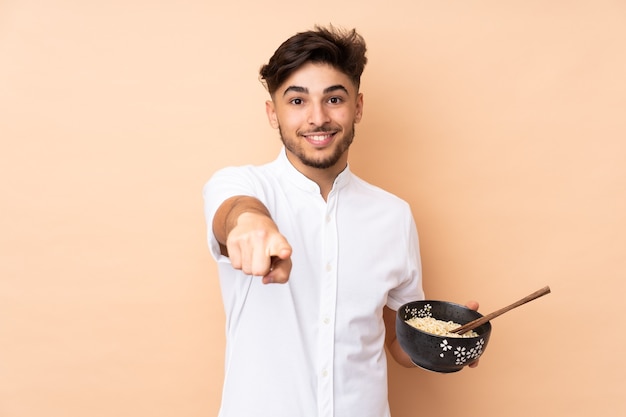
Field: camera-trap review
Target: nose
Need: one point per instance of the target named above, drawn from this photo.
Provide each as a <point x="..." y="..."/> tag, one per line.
<point x="318" y="115"/>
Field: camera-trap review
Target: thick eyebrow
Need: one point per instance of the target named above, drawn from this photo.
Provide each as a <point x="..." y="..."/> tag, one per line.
<point x="335" y="88"/>
<point x="296" y="89"/>
<point x="304" y="90"/>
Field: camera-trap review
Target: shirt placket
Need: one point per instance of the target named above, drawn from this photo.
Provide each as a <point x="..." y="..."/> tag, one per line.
<point x="328" y="299"/>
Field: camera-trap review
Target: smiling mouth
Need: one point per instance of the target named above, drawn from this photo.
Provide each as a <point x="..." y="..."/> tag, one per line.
<point x="319" y="139"/>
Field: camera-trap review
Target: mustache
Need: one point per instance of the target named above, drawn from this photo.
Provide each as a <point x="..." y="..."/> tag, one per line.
<point x="321" y="129"/>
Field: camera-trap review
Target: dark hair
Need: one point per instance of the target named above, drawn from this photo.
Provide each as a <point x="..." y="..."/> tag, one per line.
<point x="343" y="50"/>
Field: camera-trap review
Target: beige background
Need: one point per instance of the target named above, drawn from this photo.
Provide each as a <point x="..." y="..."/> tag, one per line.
<point x="501" y="122"/>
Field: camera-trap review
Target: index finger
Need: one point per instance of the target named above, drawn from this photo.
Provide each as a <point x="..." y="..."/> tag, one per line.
<point x="279" y="247"/>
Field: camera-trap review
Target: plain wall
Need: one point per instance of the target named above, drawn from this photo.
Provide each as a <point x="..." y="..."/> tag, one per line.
<point x="501" y="123"/>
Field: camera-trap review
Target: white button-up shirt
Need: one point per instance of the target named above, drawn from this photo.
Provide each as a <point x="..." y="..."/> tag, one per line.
<point x="315" y="346"/>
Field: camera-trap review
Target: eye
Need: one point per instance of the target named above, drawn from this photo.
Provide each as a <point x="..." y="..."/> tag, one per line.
<point x="296" y="101"/>
<point x="335" y="100"/>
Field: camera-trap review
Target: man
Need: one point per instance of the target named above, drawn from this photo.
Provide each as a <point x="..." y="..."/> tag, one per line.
<point x="313" y="261"/>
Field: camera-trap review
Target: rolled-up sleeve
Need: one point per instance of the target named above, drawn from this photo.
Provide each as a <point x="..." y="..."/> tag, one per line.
<point x="224" y="184"/>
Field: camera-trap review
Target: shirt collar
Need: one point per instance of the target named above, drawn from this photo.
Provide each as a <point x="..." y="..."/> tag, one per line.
<point x="304" y="183"/>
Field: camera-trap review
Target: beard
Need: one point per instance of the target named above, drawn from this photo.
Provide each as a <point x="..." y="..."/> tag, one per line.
<point x="295" y="147"/>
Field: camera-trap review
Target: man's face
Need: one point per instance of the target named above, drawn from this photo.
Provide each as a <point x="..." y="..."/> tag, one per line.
<point x="315" y="111"/>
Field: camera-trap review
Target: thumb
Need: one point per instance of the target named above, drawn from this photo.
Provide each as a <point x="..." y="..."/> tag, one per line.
<point x="473" y="305"/>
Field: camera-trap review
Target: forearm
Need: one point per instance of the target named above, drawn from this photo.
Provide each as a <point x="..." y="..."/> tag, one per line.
<point x="225" y="218"/>
<point x="393" y="346"/>
<point x="400" y="355"/>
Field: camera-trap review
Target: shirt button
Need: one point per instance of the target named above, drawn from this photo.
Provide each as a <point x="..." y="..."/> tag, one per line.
<point x="326" y="320"/>
<point x="329" y="266"/>
<point x="328" y="218"/>
<point x="324" y="373"/>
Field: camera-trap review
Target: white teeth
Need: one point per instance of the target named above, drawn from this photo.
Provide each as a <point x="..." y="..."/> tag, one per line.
<point x="319" y="138"/>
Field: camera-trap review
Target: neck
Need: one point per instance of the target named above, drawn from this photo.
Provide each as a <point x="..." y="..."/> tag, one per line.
<point x="324" y="180"/>
<point x="323" y="177"/>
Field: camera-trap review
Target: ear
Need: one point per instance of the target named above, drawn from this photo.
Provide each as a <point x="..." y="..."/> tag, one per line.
<point x="359" y="108"/>
<point x="271" y="114"/>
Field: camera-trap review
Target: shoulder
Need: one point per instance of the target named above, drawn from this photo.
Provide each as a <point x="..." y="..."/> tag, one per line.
<point x="243" y="180"/>
<point x="243" y="170"/>
<point x="382" y="196"/>
<point x="241" y="174"/>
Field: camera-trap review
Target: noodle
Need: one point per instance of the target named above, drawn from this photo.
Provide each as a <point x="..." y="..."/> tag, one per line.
<point x="438" y="327"/>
